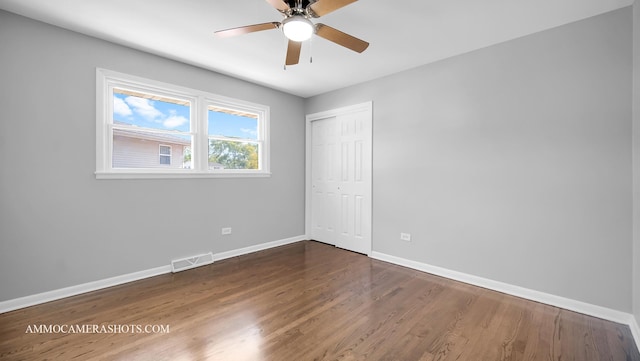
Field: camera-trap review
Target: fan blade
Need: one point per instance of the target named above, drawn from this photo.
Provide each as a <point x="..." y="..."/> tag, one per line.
<point x="323" y="7"/>
<point x="279" y="4"/>
<point x="340" y="38"/>
<point x="293" y="52"/>
<point x="246" y="29"/>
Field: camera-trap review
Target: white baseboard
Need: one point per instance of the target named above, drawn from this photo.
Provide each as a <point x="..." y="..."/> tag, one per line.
<point x="635" y="330"/>
<point x="256" y="248"/>
<point x="546" y="298"/>
<point x="22" y="302"/>
<point x="32" y="300"/>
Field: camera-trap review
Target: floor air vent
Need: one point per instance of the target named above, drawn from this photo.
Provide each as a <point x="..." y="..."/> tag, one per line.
<point x="184" y="264"/>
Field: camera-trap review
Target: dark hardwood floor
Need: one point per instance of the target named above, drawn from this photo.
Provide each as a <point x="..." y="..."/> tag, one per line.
<point x="309" y="301"/>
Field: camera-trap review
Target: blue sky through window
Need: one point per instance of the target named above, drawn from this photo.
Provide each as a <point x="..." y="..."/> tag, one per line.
<point x="162" y="115"/>
<point x="231" y="125"/>
<point x="147" y="113"/>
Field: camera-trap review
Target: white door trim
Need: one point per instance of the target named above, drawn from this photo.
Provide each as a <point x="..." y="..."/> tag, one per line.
<point x="367" y="106"/>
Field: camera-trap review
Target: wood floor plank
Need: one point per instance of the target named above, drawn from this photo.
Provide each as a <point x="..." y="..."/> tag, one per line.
<point x="310" y="301"/>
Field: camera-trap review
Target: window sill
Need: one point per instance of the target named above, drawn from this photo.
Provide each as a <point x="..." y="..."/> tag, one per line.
<point x="178" y="175"/>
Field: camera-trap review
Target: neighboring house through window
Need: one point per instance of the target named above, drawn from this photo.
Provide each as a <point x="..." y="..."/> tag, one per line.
<point x="148" y="129"/>
<point x="134" y="149"/>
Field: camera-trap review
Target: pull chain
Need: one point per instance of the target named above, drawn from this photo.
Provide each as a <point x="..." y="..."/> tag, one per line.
<point x="286" y="47"/>
<point x="311" y="50"/>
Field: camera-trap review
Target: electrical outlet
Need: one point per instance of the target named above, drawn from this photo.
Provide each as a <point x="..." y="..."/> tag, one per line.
<point x="405" y="237"/>
<point x="226" y="231"/>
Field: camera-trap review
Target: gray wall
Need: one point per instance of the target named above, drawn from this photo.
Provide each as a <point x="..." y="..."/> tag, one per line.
<point x="59" y="226"/>
<point x="512" y="162"/>
<point x="636" y="160"/>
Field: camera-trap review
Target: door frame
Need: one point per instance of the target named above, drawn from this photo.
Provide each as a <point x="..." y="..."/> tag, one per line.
<point x="366" y="106"/>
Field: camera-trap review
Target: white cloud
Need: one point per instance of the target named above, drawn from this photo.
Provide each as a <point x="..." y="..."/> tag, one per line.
<point x="249" y="131"/>
<point x="143" y="107"/>
<point x="174" y="121"/>
<point x="120" y="107"/>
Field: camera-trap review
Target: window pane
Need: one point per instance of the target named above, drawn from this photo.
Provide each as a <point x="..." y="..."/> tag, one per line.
<point x="139" y="149"/>
<point x="225" y="154"/>
<point x="165" y="150"/>
<point x="150" y="111"/>
<point x="165" y="154"/>
<point x="231" y="124"/>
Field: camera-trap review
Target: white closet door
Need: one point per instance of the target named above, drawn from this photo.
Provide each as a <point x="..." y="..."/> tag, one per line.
<point x="324" y="169"/>
<point x="340" y="172"/>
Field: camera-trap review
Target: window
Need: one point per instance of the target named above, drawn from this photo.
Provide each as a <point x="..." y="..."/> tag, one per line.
<point x="165" y="154"/>
<point x="233" y="139"/>
<point x="148" y="129"/>
<point x="145" y="124"/>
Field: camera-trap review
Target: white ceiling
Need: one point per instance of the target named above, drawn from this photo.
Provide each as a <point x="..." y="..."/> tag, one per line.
<point x="403" y="34"/>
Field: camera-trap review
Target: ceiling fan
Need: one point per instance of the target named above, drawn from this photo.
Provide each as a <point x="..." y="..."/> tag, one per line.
<point x="298" y="27"/>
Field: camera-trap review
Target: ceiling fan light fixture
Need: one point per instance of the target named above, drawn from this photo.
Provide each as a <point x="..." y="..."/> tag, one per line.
<point x="297" y="28"/>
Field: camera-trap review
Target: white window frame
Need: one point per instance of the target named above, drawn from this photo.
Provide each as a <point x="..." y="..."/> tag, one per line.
<point x="164" y="155"/>
<point x="107" y="80"/>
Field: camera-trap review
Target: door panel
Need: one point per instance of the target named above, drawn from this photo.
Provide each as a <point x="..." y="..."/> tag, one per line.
<point x="341" y="180"/>
<point x="323" y="174"/>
